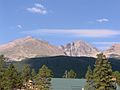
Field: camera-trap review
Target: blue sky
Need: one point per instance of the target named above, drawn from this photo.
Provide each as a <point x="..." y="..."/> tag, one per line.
<point x="61" y="21"/>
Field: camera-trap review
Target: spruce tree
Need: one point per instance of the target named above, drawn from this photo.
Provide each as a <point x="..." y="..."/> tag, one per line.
<point x="43" y="78"/>
<point x="26" y="76"/>
<point x="11" y="79"/>
<point x="102" y="74"/>
<point x="33" y="74"/>
<point x="89" y="79"/>
<point x="116" y="75"/>
<point x="2" y="70"/>
<point x="72" y="74"/>
<point x="26" y="73"/>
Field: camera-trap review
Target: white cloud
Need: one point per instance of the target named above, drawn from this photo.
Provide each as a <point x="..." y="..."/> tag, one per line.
<point x="94" y="33"/>
<point x="37" y="8"/>
<point x="19" y="26"/>
<point x="39" y="5"/>
<point x="102" y="20"/>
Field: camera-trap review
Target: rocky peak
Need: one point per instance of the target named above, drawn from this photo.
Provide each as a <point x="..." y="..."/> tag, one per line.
<point x="25" y="39"/>
<point x="113" y="51"/>
<point x="29" y="47"/>
<point x="79" y="48"/>
<point x="16" y="42"/>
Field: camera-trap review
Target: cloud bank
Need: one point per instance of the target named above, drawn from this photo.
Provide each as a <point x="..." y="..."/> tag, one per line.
<point x="94" y="33"/>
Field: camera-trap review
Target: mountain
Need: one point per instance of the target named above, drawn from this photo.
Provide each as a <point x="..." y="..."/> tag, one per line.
<point x="80" y="48"/>
<point x="113" y="51"/>
<point x="29" y="47"/>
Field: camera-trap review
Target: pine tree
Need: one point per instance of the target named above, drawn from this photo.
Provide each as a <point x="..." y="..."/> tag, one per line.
<point x="33" y="74"/>
<point x="11" y="79"/>
<point x="2" y="70"/>
<point x="72" y="74"/>
<point x="43" y="78"/>
<point x="26" y="76"/>
<point x="102" y="74"/>
<point x="26" y="73"/>
<point x="89" y="79"/>
<point x="116" y="75"/>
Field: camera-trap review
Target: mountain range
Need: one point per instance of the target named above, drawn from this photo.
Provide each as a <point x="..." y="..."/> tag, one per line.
<point x="30" y="47"/>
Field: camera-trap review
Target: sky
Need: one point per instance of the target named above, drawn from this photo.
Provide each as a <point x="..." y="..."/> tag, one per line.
<point x="61" y="21"/>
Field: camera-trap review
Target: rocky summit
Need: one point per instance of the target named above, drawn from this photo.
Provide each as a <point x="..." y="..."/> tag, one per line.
<point x="80" y="48"/>
<point x="113" y="51"/>
<point x="29" y="47"/>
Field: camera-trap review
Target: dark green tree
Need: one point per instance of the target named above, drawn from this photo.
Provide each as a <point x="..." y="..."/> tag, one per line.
<point x="43" y="78"/>
<point x="102" y="74"/>
<point x="71" y="74"/>
<point x="26" y="73"/>
<point x="11" y="79"/>
<point x="89" y="79"/>
<point x="2" y="70"/>
<point x="116" y="75"/>
<point x="33" y="74"/>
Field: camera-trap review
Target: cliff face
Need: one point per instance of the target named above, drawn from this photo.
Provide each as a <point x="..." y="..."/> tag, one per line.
<point x="113" y="51"/>
<point x="29" y="47"/>
<point x="79" y="48"/>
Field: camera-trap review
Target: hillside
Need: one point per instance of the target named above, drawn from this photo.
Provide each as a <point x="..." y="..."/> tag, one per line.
<point x="61" y="63"/>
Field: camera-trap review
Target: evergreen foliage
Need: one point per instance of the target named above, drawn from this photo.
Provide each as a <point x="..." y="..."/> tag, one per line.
<point x="89" y="79"/>
<point x="102" y="74"/>
<point x="59" y="64"/>
<point x="116" y="75"/>
<point x="11" y="78"/>
<point x="70" y="74"/>
<point x="33" y="74"/>
<point x="2" y="70"/>
<point x="26" y="73"/>
<point x="43" y="78"/>
<point x="98" y="79"/>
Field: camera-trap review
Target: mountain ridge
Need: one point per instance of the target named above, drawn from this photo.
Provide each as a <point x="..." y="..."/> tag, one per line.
<point x="30" y="47"/>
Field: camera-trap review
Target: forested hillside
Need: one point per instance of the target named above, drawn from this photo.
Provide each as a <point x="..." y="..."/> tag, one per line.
<point x="60" y="64"/>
